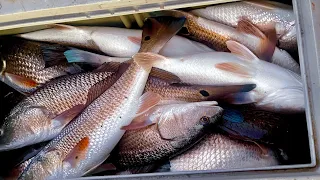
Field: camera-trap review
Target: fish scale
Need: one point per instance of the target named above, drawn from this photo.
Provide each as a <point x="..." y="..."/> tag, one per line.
<point x="44" y="105"/>
<point x="260" y="13"/>
<point x="217" y="152"/>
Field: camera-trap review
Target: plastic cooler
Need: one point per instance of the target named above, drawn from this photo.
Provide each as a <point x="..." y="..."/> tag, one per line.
<point x="24" y="16"/>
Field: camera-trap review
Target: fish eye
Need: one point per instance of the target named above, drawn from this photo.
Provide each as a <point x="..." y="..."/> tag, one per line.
<point x="147" y="38"/>
<point x="205" y="119"/>
<point x="184" y="30"/>
<point x="204" y="93"/>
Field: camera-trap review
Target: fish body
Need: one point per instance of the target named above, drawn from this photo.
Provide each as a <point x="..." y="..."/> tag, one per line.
<point x="219" y="152"/>
<point x="88" y="140"/>
<point x="260" y="13"/>
<point x="117" y="42"/>
<point x="248" y="123"/>
<point x="42" y="115"/>
<point x="26" y="65"/>
<point x="177" y="127"/>
<point x="278" y="89"/>
<point x="215" y="35"/>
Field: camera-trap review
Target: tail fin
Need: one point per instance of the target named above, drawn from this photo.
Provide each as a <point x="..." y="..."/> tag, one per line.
<point x="77" y="55"/>
<point x="53" y="54"/>
<point x="158" y="31"/>
<point x="148" y="60"/>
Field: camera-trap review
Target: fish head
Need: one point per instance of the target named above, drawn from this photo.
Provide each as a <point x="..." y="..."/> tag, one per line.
<point x="49" y="164"/>
<point x="23" y="127"/>
<point x="188" y="123"/>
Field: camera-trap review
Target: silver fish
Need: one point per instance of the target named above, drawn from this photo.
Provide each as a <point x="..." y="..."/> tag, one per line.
<point x="219" y="152"/>
<point x="278" y="89"/>
<point x="113" y="41"/>
<point x="177" y="126"/>
<point x="261" y="13"/>
<point x="215" y="35"/>
<point x="42" y="115"/>
<point x="88" y="140"/>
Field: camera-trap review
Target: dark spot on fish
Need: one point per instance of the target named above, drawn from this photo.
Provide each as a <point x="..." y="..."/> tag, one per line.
<point x="184" y="31"/>
<point x="147" y="38"/>
<point x="120" y="117"/>
<point x="76" y="157"/>
<point x="101" y="125"/>
<point x="204" y="93"/>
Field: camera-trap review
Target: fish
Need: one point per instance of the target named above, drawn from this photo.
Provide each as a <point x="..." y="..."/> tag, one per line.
<point x="215" y="35"/>
<point x="27" y="65"/>
<point x="261" y="13"/>
<point x="42" y="115"/>
<point x="277" y="89"/>
<point x="88" y="140"/>
<point x="249" y="123"/>
<point x="166" y="84"/>
<point x="118" y="42"/>
<point x="219" y="152"/>
<point x="176" y="127"/>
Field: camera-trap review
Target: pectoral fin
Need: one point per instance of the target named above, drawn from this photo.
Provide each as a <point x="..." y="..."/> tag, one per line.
<point x="66" y="116"/>
<point x="78" y="153"/>
<point x="140" y="121"/>
<point x="147" y="101"/>
<point x="236" y="68"/>
<point x="21" y="81"/>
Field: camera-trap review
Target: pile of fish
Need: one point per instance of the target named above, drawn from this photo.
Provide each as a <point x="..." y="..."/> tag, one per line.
<point x="206" y="89"/>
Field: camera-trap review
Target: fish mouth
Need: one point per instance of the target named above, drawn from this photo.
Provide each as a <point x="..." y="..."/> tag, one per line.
<point x="3" y="66"/>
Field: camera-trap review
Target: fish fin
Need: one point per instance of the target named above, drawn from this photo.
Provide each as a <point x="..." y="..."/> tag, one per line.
<point x="45" y="111"/>
<point x="264" y="150"/>
<point x="66" y="116"/>
<point x="232" y="115"/>
<point x="97" y="89"/>
<point x="147" y="60"/>
<point x="242" y="51"/>
<point x="61" y="26"/>
<point x="237" y="68"/>
<point x="73" y="69"/>
<point x="290" y="98"/>
<point x="157" y="31"/>
<point x="165" y="75"/>
<point x="103" y="159"/>
<point x="21" y="81"/>
<point x="102" y="168"/>
<point x="240" y="98"/>
<point x="268" y="40"/>
<point x="245" y="26"/>
<point x="53" y="54"/>
<point x="147" y="101"/>
<point x="215" y="92"/>
<point x="135" y="40"/>
<point x="140" y="121"/>
<point x="78" y="152"/>
<point x="77" y="55"/>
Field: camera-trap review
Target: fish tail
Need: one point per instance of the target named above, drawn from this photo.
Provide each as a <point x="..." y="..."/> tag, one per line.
<point x="73" y="69"/>
<point x="148" y="60"/>
<point x="80" y="56"/>
<point x="157" y="31"/>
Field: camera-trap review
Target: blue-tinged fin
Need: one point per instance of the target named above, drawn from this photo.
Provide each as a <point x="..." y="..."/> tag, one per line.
<point x="232" y="115"/>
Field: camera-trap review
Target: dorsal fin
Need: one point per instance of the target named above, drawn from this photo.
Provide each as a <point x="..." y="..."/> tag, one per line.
<point x="240" y="50"/>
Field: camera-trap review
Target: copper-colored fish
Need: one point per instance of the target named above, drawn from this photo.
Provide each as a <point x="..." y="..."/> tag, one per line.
<point x="261" y="13"/>
<point x="88" y="140"/>
<point x="26" y="65"/>
<point x="42" y="115"/>
<point x="215" y="35"/>
<point x="177" y="127"/>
